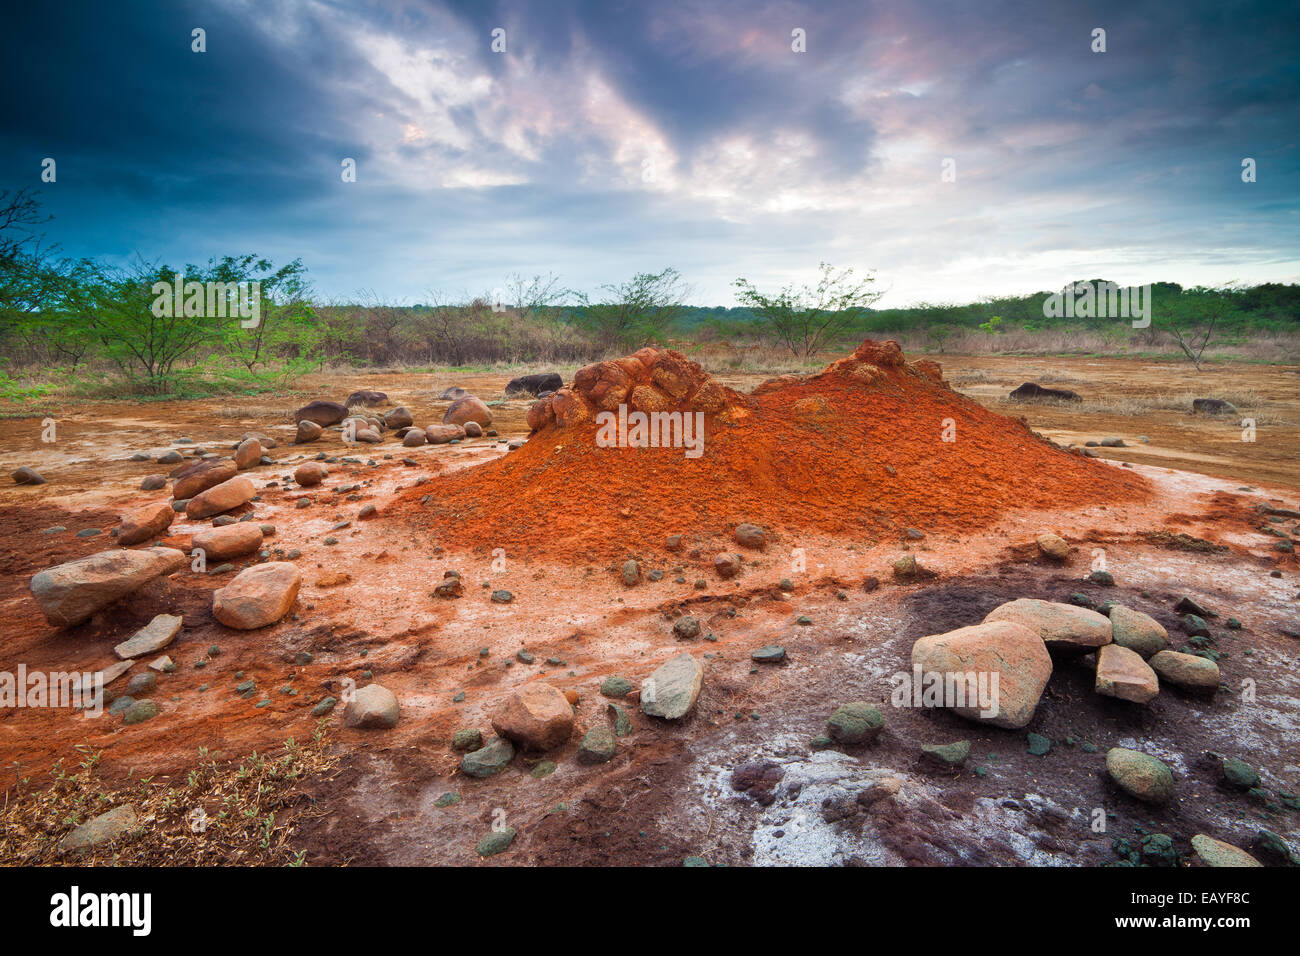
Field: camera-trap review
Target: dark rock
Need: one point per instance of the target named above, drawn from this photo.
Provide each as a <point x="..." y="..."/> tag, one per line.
<point x="855" y="723"/>
<point x="727" y="565"/>
<point x="534" y="384"/>
<point x="488" y="760"/>
<point x="1032" y="392"/>
<point x="598" y="745"/>
<point x="613" y="686"/>
<point x="1237" y="773"/>
<point x="322" y="413"/>
<point x="27" y="476"/>
<point x="1186" y="605"/>
<point x="468" y="739"/>
<point x="950" y="755"/>
<point x="759" y="780"/>
<point x="498" y="841"/>
<point x="1213" y="406"/>
<point x="686" y="627"/>
<point x="751" y="536"/>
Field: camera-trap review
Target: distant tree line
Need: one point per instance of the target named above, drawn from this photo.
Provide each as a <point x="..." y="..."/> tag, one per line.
<point x="78" y="319"/>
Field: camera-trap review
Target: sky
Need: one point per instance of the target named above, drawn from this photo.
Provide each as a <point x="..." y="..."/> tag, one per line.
<point x="610" y="138"/>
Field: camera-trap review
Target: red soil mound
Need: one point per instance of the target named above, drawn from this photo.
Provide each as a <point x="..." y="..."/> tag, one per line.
<point x="858" y="450"/>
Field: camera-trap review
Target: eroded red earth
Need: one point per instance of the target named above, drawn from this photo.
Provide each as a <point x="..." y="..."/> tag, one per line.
<point x="366" y="612"/>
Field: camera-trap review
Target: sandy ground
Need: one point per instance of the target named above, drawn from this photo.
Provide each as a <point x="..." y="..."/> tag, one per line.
<point x="365" y="612"/>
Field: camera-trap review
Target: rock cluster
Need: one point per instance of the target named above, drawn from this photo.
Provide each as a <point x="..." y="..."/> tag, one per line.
<point x="650" y="380"/>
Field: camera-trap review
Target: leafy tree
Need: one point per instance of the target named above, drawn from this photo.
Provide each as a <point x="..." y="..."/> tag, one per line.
<point x="286" y="327"/>
<point x="528" y="297"/>
<point x="808" y="319"/>
<point x="1193" y="320"/>
<point x="635" y="312"/>
<point x="144" y="336"/>
<point x="990" y="328"/>
<point x="59" y="323"/>
<point x="20" y="214"/>
<point x="28" y="280"/>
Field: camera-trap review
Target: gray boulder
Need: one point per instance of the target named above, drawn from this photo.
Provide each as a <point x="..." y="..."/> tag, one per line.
<point x="672" y="690"/>
<point x="70" y="593"/>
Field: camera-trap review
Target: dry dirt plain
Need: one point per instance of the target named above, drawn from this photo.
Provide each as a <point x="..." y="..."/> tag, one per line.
<point x="673" y="791"/>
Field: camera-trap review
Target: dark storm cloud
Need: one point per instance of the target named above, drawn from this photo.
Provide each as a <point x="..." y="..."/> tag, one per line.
<point x="618" y="136"/>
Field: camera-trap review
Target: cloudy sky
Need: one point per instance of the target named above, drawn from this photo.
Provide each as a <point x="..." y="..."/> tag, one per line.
<point x="614" y="137"/>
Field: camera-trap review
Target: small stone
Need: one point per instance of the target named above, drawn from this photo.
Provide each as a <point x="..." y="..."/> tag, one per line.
<point x="1053" y="546"/>
<point x="1039" y="746"/>
<point x="154" y="636"/>
<point x="1189" y="671"/>
<point x="372" y="706"/>
<point x="598" y="745"/>
<point x="672" y="690"/>
<point x="141" y="684"/>
<point x="907" y="569"/>
<point x="631" y="573"/>
<point x="726" y="566"/>
<point x="1273" y="850"/>
<point x="467" y="740"/>
<point x="622" y="722"/>
<point x="1214" y="852"/>
<point x="772" y="654"/>
<point x="498" y="841"/>
<point x="952" y="755"/>
<point x="1140" y="775"/>
<point x="686" y="627"/>
<point x="1138" y="632"/>
<point x="105" y="828"/>
<point x="536" y="717"/>
<point x="1238" y="774"/>
<point x="751" y="536"/>
<point x="616" y="686"/>
<point x="855" y="723"/>
<point x="1158" y="850"/>
<point x="1122" y="673"/>
<point x="324" y="707"/>
<point x="1187" y="605"/>
<point x="140" y="711"/>
<point x="489" y="760"/>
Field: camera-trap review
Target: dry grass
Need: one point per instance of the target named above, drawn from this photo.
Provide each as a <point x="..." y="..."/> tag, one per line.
<point x="1183" y="542"/>
<point x="250" y="811"/>
<point x="1258" y="347"/>
<point x="1248" y="402"/>
<point x="259" y="412"/>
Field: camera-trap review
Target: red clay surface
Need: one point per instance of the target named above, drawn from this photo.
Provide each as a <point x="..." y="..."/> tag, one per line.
<point x="365" y="612"/>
